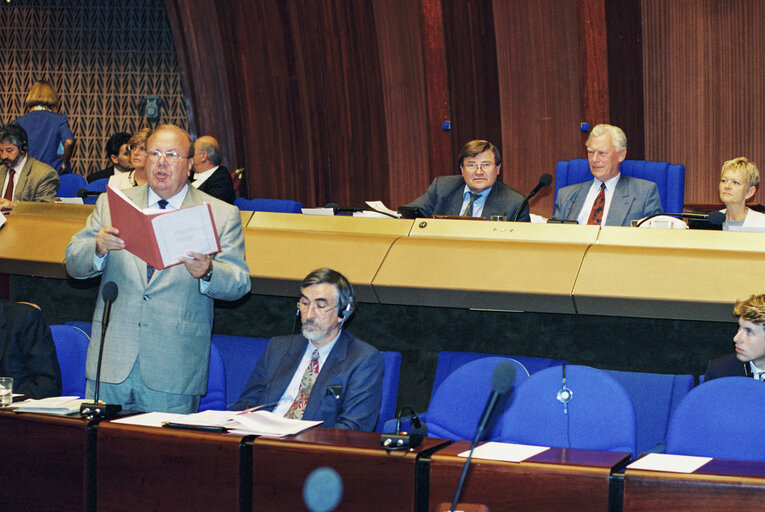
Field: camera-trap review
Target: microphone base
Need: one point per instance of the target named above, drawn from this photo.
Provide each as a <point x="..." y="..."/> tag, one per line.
<point x="92" y="410"/>
<point x="402" y="441"/>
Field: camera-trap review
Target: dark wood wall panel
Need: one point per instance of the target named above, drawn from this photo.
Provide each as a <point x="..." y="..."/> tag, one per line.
<point x="704" y="67"/>
<point x="539" y="94"/>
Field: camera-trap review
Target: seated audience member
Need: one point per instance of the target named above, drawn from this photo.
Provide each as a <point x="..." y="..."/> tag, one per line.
<point x="326" y="374"/>
<point x="738" y="183"/>
<point x="136" y="177"/>
<point x="610" y="198"/>
<point x="47" y="130"/>
<point x="749" y="358"/>
<point x="476" y="193"/>
<point x="27" y="352"/>
<point x="117" y="157"/>
<point x="209" y="175"/>
<point x="23" y="178"/>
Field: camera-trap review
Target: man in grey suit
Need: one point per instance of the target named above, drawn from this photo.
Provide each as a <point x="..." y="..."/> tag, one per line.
<point x="476" y="193"/>
<point x="157" y="348"/>
<point x="611" y="198"/>
<point x="23" y="178"/>
<point x="326" y="374"/>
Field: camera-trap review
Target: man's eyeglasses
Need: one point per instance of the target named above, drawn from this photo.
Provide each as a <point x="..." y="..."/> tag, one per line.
<point x="172" y="157"/>
<point x="319" y="307"/>
<point x="486" y="166"/>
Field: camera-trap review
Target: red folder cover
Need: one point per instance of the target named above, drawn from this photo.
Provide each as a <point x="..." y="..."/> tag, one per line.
<point x="159" y="242"/>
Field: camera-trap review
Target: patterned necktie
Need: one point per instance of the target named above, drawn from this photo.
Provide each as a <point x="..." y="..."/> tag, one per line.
<point x="469" y="209"/>
<point x="596" y="214"/>
<point x="306" y="385"/>
<point x="149" y="269"/>
<point x="9" y="190"/>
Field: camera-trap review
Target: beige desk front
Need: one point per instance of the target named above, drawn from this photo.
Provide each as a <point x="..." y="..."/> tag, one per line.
<point x="485" y="265"/>
<point x="283" y="248"/>
<point x="34" y="246"/>
<point x="660" y="273"/>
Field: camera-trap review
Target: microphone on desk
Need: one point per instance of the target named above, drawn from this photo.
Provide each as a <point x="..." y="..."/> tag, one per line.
<point x="544" y="181"/>
<point x="95" y="409"/>
<point x="501" y="381"/>
<point x="715" y="218"/>
<point x="336" y="208"/>
<point x="83" y="193"/>
<point x="322" y="490"/>
<point x="405" y="440"/>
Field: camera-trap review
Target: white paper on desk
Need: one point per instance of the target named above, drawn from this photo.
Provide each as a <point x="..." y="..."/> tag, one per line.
<point x="69" y="200"/>
<point x="371" y="215"/>
<point x="378" y="206"/>
<point x="668" y="462"/>
<point x="150" y="419"/>
<point x="188" y="229"/>
<point x="507" y="452"/>
<point x="318" y="211"/>
<point x="265" y="423"/>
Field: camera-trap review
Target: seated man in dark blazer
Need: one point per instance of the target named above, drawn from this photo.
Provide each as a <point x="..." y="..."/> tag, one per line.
<point x="27" y="352"/>
<point x="326" y="374"/>
<point x="117" y="157"/>
<point x="476" y="193"/>
<point x="749" y="358"/>
<point x="610" y="198"/>
<point x="209" y="175"/>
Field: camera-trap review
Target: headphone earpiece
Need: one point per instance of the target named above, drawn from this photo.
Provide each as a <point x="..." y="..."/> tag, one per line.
<point x="346" y="312"/>
<point x="565" y="394"/>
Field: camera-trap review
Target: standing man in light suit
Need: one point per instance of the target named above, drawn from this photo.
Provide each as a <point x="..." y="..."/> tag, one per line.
<point x="157" y="348"/>
<point x="611" y="198"/>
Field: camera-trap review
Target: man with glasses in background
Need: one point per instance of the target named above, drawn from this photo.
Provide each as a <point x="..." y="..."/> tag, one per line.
<point x="324" y="374"/>
<point x="157" y="348"/>
<point x="476" y="192"/>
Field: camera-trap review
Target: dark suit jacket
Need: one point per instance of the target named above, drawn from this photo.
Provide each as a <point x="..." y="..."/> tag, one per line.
<point x="726" y="366"/>
<point x="220" y="185"/>
<point x="98" y="175"/>
<point x="445" y="196"/>
<point x="633" y="199"/>
<point x="352" y="364"/>
<point x="27" y="352"/>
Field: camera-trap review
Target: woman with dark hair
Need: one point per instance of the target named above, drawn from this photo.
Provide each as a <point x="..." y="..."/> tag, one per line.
<point x="47" y="130"/>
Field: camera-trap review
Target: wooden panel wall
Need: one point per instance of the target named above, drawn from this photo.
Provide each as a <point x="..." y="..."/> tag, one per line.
<point x="704" y="68"/>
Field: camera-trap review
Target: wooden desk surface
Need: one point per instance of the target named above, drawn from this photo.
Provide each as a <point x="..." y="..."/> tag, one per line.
<point x="720" y="485"/>
<point x="147" y="468"/>
<point x="373" y="478"/>
<point x="556" y="479"/>
<point x="45" y="462"/>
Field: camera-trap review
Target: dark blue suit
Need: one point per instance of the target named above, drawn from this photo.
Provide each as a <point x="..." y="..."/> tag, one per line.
<point x="352" y="364"/>
<point x="726" y="365"/>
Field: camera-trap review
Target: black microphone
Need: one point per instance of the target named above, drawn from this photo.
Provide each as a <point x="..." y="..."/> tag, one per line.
<point x="715" y="218"/>
<point x="342" y="209"/>
<point x="322" y="490"/>
<point x="403" y="440"/>
<point x="544" y="181"/>
<point x="83" y="193"/>
<point x="95" y="409"/>
<point x="501" y="381"/>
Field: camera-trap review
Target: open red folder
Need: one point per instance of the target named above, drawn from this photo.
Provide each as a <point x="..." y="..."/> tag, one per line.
<point x="161" y="237"/>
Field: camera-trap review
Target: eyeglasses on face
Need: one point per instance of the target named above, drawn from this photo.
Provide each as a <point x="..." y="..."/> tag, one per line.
<point x="172" y="157"/>
<point x="320" y="307"/>
<point x="486" y="166"/>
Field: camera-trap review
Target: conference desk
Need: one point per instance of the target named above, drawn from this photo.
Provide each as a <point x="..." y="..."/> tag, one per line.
<point x="719" y="485"/>
<point x="45" y="463"/>
<point x="556" y="479"/>
<point x="373" y="478"/>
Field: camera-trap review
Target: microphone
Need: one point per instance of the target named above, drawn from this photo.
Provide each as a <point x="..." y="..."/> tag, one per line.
<point x="83" y="193"/>
<point x="715" y="218"/>
<point x="544" y="181"/>
<point x="342" y="209"/>
<point x="95" y="409"/>
<point x="403" y="440"/>
<point x="322" y="490"/>
<point x="501" y="381"/>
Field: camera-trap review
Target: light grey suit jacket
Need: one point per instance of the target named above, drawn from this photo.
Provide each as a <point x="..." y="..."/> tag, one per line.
<point x="37" y="182"/>
<point x="633" y="199"/>
<point x="165" y="323"/>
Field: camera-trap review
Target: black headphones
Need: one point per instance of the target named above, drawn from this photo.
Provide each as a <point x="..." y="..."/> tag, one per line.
<point x="565" y="394"/>
<point x="15" y="134"/>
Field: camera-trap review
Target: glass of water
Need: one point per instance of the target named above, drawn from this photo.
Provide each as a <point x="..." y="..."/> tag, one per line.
<point x="6" y="391"/>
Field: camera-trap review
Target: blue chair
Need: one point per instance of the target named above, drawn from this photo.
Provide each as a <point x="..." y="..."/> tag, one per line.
<point x="71" y="350"/>
<point x="268" y="205"/>
<point x="70" y="184"/>
<point x="389" y="388"/>
<point x="86" y="327"/>
<point x="670" y="178"/>
<point x="215" y="398"/>
<point x="95" y="186"/>
<point x="598" y="416"/>
<point x="239" y="355"/>
<point x="720" y="418"/>
<point x="460" y="400"/>
<point x="655" y="397"/>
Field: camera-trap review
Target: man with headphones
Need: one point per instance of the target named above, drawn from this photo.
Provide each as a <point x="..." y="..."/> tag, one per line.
<point x="22" y="177"/>
<point x="324" y="374"/>
<point x="749" y="358"/>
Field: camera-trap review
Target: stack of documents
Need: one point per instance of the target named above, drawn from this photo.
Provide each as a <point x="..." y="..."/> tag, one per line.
<point x="61" y="405"/>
